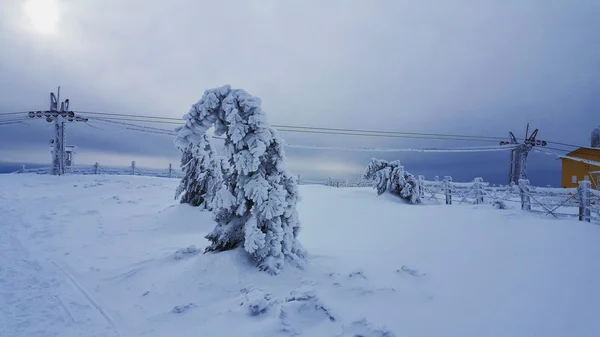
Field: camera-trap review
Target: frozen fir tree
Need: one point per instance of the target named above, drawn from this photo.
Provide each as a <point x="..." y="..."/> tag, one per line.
<point x="595" y="138"/>
<point x="188" y="187"/>
<point x="255" y="207"/>
<point x="391" y="177"/>
<point x="202" y="174"/>
<point x="379" y="172"/>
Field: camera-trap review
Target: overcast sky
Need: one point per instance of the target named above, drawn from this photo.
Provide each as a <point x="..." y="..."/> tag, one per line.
<point x="472" y="67"/>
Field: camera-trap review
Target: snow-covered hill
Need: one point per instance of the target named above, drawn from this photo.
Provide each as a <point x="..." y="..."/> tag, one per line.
<point x="117" y="256"/>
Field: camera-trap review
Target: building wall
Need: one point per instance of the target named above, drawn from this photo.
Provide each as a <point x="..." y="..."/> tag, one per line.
<point x="579" y="170"/>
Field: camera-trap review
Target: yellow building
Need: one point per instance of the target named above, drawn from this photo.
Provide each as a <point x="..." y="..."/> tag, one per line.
<point x="581" y="164"/>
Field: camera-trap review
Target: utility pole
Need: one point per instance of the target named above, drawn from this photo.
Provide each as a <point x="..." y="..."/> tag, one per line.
<point x="513" y="140"/>
<point x="59" y="117"/>
<point x="519" y="155"/>
<point x="56" y="162"/>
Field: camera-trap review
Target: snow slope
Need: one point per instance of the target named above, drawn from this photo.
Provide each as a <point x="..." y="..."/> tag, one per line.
<point x="111" y="256"/>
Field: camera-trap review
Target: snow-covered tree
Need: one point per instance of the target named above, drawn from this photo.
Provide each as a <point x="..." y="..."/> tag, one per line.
<point x="202" y="174"/>
<point x="188" y="186"/>
<point x="391" y="177"/>
<point x="256" y="204"/>
<point x="595" y="139"/>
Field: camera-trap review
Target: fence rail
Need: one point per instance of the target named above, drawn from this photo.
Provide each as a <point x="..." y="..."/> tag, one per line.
<point x="582" y="202"/>
<point x="98" y="169"/>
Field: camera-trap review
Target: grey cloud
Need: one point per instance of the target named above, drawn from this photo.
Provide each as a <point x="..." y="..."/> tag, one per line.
<point x="484" y="67"/>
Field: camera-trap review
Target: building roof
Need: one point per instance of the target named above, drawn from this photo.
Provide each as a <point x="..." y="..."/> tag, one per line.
<point x="591" y="162"/>
<point x="586" y="148"/>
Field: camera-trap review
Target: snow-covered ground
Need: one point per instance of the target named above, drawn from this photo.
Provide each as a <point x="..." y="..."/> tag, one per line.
<point x="111" y="256"/>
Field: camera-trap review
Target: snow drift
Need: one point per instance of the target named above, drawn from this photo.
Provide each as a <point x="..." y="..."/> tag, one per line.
<point x="117" y="256"/>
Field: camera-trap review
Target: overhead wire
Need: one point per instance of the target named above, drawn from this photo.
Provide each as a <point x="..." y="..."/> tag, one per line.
<point x="12" y="121"/>
<point x="143" y="120"/>
<point x="288" y="128"/>
<point x="376" y="149"/>
<point x="555" y="149"/>
<point x="383" y="135"/>
<point x="129" y="115"/>
<point x="130" y="124"/>
<point x="291" y="128"/>
<point x="447" y="150"/>
<point x="283" y="127"/>
<point x="584" y="151"/>
<point x="156" y="119"/>
<point x="95" y="127"/>
<point x="545" y="151"/>
<point x="385" y="132"/>
<point x="132" y="129"/>
<point x="19" y="122"/>
<point x="323" y="131"/>
<point x="563" y="144"/>
<point x="471" y="149"/>
<point x="438" y="150"/>
<point x="13" y="113"/>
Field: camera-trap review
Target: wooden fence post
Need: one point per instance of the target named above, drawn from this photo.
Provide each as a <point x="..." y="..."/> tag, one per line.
<point x="96" y="165"/>
<point x="448" y="189"/>
<point x="478" y="187"/>
<point x="584" y="200"/>
<point x="421" y="189"/>
<point x="524" y="192"/>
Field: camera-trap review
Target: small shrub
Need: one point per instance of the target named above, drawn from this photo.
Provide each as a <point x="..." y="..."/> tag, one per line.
<point x="499" y="204"/>
<point x="391" y="177"/>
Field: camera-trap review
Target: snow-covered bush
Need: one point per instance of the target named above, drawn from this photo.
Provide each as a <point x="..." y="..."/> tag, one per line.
<point x="391" y="177"/>
<point x="499" y="204"/>
<point x="257" y="301"/>
<point x="202" y="174"/>
<point x="255" y="206"/>
<point x="181" y="253"/>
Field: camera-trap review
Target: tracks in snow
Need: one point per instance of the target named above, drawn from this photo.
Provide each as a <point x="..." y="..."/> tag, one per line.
<point x="70" y="274"/>
<point x="37" y="299"/>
